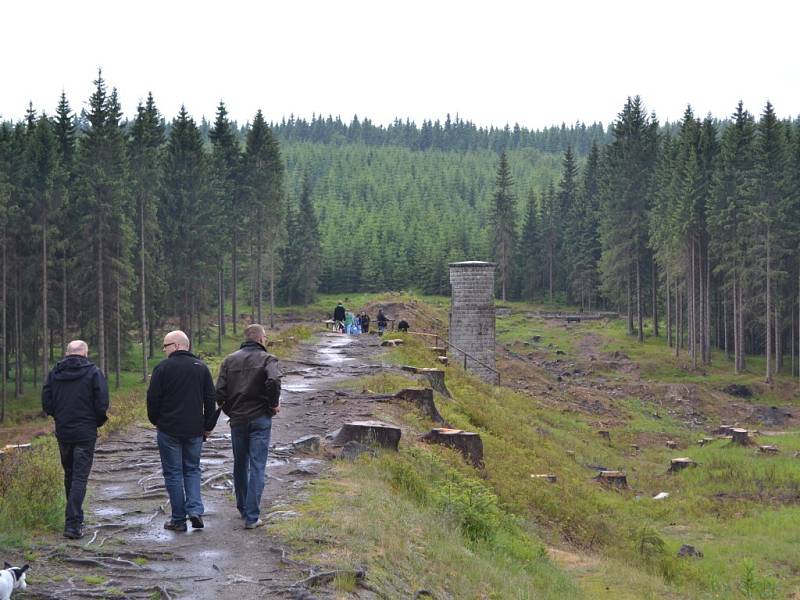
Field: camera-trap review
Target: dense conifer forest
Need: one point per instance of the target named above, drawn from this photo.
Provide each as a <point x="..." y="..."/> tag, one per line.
<point x="111" y="226"/>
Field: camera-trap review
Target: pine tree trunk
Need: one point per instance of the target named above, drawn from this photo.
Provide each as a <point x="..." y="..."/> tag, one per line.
<point x="101" y="299"/>
<point x="707" y="269"/>
<point x="64" y="303"/>
<point x="678" y="319"/>
<point x="259" y="280"/>
<point x="19" y="375"/>
<point x="654" y="282"/>
<point x="768" y="349"/>
<point x="272" y="287"/>
<point x="667" y="294"/>
<point x="142" y="293"/>
<point x="639" y="302"/>
<point x="691" y="310"/>
<point x="118" y="349"/>
<point x="221" y="312"/>
<point x="35" y="357"/>
<point x="741" y="362"/>
<point x="45" y="331"/>
<point x="778" y="341"/>
<point x="550" y="273"/>
<point x="234" y="281"/>
<point x="630" y="308"/>
<point x="3" y="336"/>
<point x="725" y="327"/>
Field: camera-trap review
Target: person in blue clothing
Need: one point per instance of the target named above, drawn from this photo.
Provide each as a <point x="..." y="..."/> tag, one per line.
<point x="75" y="394"/>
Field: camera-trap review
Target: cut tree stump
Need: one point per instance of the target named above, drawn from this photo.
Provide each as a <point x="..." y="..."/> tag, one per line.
<point x="438" y="350"/>
<point x="705" y="441"/>
<point x="724" y="430"/>
<point x="423" y="400"/>
<point x="613" y="478"/>
<point x="768" y="449"/>
<point x="741" y="436"/>
<point x="672" y="444"/>
<point x="392" y="343"/>
<point x="679" y="464"/>
<point x="548" y="477"/>
<point x="604" y="434"/>
<point x="442" y="359"/>
<point x="435" y="378"/>
<point x="369" y="432"/>
<point x="466" y="442"/>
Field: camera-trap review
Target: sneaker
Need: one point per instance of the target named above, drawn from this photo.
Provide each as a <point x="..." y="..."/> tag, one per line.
<point x="73" y="534"/>
<point x="173" y="526"/>
<point x="254" y="524"/>
<point x="197" y="522"/>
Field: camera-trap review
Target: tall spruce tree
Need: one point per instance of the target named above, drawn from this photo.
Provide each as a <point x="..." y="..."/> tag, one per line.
<point x="504" y="222"/>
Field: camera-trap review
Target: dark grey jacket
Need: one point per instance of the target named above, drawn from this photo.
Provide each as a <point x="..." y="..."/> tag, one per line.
<point x="249" y="384"/>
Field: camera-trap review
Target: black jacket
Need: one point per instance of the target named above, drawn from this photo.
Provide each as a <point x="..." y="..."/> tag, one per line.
<point x="180" y="399"/>
<point x="76" y="396"/>
<point x="338" y="313"/>
<point x="249" y="384"/>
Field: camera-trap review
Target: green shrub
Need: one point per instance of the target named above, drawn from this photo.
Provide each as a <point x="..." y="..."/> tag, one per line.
<point x="32" y="489"/>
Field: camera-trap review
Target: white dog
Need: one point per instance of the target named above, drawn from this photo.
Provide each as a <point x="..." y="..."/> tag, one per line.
<point x="12" y="578"/>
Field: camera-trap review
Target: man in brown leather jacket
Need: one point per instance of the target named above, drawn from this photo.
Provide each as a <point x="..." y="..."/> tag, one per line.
<point x="248" y="390"/>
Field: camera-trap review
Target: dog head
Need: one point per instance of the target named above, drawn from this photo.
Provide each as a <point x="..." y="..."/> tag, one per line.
<point x="18" y="573"/>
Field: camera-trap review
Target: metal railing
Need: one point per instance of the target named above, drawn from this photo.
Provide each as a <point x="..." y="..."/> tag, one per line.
<point x="466" y="354"/>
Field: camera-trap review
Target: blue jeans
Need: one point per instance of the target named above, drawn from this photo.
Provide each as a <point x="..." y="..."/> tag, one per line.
<point x="180" y="463"/>
<point x="250" y="448"/>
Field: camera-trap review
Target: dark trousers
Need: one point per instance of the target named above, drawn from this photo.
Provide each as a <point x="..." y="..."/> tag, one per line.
<point x="76" y="458"/>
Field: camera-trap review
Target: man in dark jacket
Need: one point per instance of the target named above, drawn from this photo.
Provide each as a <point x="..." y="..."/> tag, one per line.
<point x="249" y="391"/>
<point x="338" y="317"/>
<point x="75" y="394"/>
<point x="180" y="403"/>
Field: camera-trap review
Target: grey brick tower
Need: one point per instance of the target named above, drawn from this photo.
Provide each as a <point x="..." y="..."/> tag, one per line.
<point x="472" y="316"/>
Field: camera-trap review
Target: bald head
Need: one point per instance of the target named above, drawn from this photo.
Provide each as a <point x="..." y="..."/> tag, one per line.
<point x="255" y="333"/>
<point x="175" y="340"/>
<point x="77" y="348"/>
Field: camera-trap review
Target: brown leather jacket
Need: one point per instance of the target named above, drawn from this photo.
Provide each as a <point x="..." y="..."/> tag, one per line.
<point x="249" y="384"/>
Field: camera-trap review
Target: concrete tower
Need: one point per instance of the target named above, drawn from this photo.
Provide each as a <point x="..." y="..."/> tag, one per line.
<point x="472" y="316"/>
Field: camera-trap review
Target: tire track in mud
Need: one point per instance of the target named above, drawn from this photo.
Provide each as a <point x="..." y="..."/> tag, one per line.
<point x="126" y="547"/>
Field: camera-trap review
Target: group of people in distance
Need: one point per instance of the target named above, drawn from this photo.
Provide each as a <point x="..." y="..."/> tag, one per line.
<point x="345" y="321"/>
<point x="184" y="404"/>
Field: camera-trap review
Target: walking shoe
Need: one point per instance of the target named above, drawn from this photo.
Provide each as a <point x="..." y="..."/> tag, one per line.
<point x="197" y="522"/>
<point x="254" y="524"/>
<point x="173" y="526"/>
<point x="73" y="534"/>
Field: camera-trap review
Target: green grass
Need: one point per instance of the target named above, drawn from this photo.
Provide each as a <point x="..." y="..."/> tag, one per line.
<point x="723" y="507"/>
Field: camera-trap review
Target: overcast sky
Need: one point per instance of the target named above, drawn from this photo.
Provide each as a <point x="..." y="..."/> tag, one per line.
<point x="493" y="62"/>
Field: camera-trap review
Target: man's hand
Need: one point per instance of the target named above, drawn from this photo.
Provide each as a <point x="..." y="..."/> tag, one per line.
<point x="277" y="409"/>
<point x="207" y="434"/>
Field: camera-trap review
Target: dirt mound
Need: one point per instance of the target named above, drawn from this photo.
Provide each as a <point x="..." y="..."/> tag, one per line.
<point x="420" y="316"/>
<point x="740" y="391"/>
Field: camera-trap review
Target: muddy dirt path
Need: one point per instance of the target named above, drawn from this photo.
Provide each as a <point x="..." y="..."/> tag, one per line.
<point x="127" y="552"/>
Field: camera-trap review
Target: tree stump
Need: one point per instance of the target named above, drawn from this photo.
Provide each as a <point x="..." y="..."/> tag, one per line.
<point x="613" y="478"/>
<point x="369" y="432"/>
<point x="679" y="464"/>
<point x="466" y="442"/>
<point x="768" y="449"/>
<point x="672" y="444"/>
<point x="438" y="350"/>
<point x="741" y="436"/>
<point x="604" y="434"/>
<point x="548" y="477"/>
<point x="705" y="441"/>
<point x="724" y="430"/>
<point x="435" y="378"/>
<point x="442" y="359"/>
<point x="393" y="343"/>
<point x="423" y="400"/>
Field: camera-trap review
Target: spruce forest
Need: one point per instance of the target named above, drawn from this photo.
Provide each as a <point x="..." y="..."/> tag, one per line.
<point x="111" y="226"/>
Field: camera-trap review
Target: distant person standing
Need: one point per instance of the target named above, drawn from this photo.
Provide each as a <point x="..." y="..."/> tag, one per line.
<point x="75" y="394"/>
<point x="249" y="391"/>
<point x="382" y="321"/>
<point x="180" y="403"/>
<point x="364" y="322"/>
<point x="338" y="316"/>
<point x="350" y="323"/>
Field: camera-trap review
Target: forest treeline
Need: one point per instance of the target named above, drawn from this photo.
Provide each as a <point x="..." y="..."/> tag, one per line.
<point x="698" y="229"/>
<point x="112" y="228"/>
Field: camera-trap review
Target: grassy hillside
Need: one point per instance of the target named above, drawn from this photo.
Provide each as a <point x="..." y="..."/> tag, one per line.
<point x="737" y="506"/>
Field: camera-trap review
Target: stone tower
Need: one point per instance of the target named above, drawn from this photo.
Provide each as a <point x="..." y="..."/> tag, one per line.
<point x="472" y="316"/>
